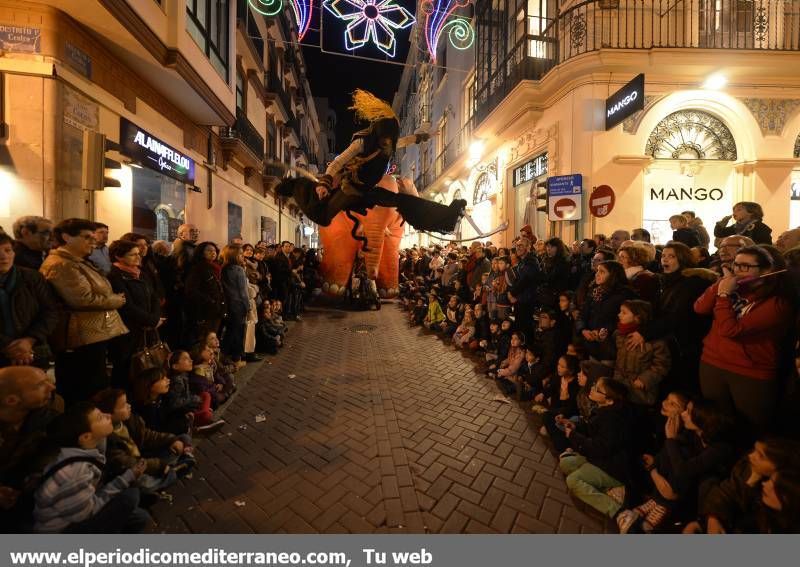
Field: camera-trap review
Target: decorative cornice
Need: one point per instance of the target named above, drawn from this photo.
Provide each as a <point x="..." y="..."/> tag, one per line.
<point x="170" y="58"/>
<point x="531" y="141"/>
<point x="771" y="113"/>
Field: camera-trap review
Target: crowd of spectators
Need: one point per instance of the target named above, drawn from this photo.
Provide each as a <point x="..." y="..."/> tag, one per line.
<point x="664" y="376"/>
<point x="113" y="355"/>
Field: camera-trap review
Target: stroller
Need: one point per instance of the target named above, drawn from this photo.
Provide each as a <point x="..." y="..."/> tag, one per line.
<point x="361" y="291"/>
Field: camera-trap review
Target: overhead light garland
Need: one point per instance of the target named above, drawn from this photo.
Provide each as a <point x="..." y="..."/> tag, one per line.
<point x="438" y="20"/>
<point x="373" y="21"/>
<point x="266" y="7"/>
<point x="302" y="13"/>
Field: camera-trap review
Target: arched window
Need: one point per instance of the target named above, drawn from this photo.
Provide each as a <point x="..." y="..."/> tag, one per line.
<point x="483" y="188"/>
<point x="691" y="134"/>
<point x="797" y="146"/>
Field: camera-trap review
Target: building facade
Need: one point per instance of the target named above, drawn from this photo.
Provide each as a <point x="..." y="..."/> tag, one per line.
<point x="545" y="69"/>
<point x="198" y="101"/>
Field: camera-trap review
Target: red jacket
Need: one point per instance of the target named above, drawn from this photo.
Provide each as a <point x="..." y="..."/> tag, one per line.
<point x="749" y="346"/>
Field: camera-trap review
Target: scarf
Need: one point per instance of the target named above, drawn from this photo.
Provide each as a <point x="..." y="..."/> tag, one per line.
<point x="134" y="271"/>
<point x="7" y="285"/>
<point x="627" y="328"/>
<point x="216" y="269"/>
<point x="744" y="227"/>
<point x="598" y="293"/>
<point x="741" y="305"/>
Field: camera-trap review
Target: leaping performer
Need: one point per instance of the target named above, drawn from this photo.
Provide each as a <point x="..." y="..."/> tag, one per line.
<point x="350" y="182"/>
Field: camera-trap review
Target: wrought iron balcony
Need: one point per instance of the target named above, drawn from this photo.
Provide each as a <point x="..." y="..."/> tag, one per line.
<point x="243" y="131"/>
<point x="275" y="89"/>
<point x="552" y="38"/>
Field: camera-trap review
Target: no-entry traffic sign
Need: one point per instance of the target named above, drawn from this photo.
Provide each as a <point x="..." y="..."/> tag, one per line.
<point x="602" y="200"/>
<point x="565" y="208"/>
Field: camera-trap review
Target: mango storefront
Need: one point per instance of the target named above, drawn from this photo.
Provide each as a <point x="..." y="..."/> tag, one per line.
<point x="700" y="151"/>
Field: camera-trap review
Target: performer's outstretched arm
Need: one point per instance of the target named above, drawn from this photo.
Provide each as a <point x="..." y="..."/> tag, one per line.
<point x="354" y="149"/>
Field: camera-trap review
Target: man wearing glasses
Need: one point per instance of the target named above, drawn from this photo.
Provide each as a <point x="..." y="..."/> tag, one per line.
<point x="727" y="252"/>
<point x="32" y="236"/>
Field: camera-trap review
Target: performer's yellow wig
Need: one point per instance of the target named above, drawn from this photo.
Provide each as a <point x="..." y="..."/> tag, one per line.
<point x="370" y="108"/>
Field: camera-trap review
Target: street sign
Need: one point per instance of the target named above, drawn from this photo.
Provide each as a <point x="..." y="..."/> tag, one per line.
<point x="602" y="201"/>
<point x="564" y="197"/>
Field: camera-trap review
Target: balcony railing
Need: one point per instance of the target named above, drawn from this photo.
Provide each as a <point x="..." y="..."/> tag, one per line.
<point x="244" y="131"/>
<point x="274" y="85"/>
<point x="761" y="25"/>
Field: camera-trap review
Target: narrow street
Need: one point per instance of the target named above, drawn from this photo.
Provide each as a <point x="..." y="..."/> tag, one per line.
<point x="363" y="425"/>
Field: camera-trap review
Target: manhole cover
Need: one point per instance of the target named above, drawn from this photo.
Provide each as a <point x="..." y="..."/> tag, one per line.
<point x="363" y="329"/>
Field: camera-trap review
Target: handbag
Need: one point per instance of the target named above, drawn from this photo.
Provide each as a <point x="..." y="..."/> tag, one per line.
<point x="152" y="355"/>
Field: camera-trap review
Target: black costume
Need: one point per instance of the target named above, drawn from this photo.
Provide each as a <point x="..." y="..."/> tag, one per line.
<point x="362" y="166"/>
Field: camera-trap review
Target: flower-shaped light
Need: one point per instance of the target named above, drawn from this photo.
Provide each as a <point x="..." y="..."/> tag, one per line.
<point x="266" y="7"/>
<point x="371" y="20"/>
<point x="437" y="20"/>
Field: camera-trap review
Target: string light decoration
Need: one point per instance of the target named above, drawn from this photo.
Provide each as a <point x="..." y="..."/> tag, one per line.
<point x="438" y="20"/>
<point x="374" y="21"/>
<point x="302" y="13"/>
<point x="267" y="7"/>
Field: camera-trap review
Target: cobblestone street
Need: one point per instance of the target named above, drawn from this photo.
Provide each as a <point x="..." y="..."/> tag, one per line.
<point x="372" y="427"/>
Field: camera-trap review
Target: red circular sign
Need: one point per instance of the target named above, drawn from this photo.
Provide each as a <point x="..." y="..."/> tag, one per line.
<point x="601" y="203"/>
<point x="565" y="208"/>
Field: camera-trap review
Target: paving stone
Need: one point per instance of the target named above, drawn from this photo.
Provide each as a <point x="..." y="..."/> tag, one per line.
<point x="371" y="437"/>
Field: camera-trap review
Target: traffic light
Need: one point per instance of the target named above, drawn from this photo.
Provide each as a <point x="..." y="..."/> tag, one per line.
<point x="95" y="165"/>
<point x="540" y="196"/>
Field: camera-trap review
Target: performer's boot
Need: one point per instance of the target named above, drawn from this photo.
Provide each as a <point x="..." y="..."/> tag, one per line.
<point x="304" y="192"/>
<point x="428" y="215"/>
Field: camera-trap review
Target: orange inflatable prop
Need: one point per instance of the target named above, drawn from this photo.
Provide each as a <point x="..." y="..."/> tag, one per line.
<point x="383" y="228"/>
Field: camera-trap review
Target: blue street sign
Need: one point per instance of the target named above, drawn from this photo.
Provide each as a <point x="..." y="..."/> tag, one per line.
<point x="565" y="185"/>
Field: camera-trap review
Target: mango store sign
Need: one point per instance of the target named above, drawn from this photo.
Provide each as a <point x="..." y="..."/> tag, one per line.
<point x="153" y="153"/>
<point x="626" y="101"/>
<point x="668" y="192"/>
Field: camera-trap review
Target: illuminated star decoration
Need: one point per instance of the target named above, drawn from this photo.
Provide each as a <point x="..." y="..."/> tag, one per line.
<point x="302" y="12"/>
<point x="266" y="7"/>
<point x="437" y="19"/>
<point x="371" y="20"/>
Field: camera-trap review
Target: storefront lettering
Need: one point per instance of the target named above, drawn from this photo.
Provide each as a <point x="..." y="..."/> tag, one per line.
<point x="686" y="194"/>
<point x="163" y="150"/>
<point x="622" y="104"/>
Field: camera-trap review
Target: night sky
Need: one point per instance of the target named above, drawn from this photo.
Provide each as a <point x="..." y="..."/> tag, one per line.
<point x="337" y="76"/>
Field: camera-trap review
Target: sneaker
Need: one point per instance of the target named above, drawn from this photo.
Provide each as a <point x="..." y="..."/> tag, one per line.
<point x="567" y="453"/>
<point x="543" y="431"/>
<point x="617" y="494"/>
<point x="211" y="427"/>
<point x="538" y="408"/>
<point x="626" y="519"/>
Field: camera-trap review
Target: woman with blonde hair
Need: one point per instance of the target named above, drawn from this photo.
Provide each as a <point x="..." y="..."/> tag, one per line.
<point x="234" y="284"/>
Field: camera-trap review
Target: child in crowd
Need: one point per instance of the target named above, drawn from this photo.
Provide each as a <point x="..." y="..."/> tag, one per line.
<point x="491" y="344"/>
<point x="597" y="460"/>
<point x="465" y="331"/>
<point x="166" y="456"/>
<point x="202" y="377"/>
<point x="435" y="316"/>
<point x="452" y="317"/>
<point x="685" y="462"/>
<point x="736" y="505"/>
<point x="150" y="389"/>
<point x="481" y="327"/>
<point x="224" y="370"/>
<point x="560" y="393"/>
<point x="70" y="497"/>
<point x="269" y="336"/>
<point x="503" y="341"/>
<point x="491" y="294"/>
<point x="181" y="400"/>
<point x="418" y="313"/>
<point x="640" y="369"/>
<point x="508" y="368"/>
<point x="500" y="286"/>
